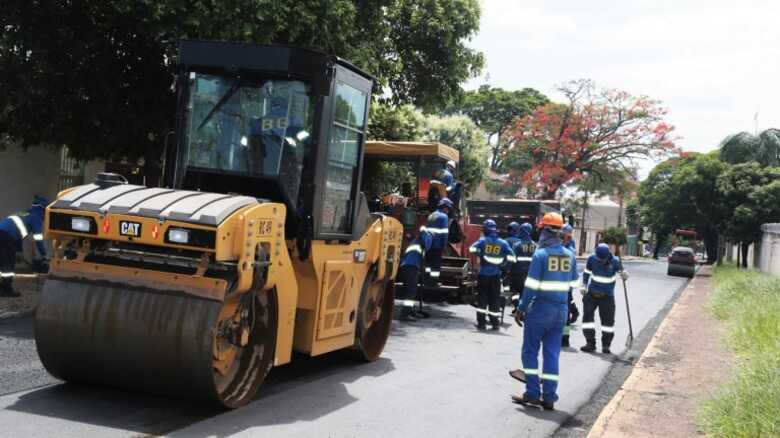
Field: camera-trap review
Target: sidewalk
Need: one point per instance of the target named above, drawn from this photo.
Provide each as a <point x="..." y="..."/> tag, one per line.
<point x="683" y="365"/>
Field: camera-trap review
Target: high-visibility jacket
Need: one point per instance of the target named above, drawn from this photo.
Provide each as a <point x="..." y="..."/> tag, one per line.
<point x="447" y="179"/>
<point x="552" y="273"/>
<point x="523" y="247"/>
<point x="493" y="252"/>
<point x="25" y="226"/>
<point x="439" y="227"/>
<point x="415" y="252"/>
<point x="601" y="275"/>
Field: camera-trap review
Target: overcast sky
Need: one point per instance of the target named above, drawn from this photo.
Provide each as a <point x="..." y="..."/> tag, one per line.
<point x="714" y="64"/>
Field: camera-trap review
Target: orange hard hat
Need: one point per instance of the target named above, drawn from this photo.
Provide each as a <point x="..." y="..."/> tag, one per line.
<point x="553" y="220"/>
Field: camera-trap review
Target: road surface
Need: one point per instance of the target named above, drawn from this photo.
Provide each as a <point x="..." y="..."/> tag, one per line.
<point x="437" y="378"/>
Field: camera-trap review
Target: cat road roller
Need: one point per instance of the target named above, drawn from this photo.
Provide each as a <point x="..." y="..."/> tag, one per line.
<point x="257" y="244"/>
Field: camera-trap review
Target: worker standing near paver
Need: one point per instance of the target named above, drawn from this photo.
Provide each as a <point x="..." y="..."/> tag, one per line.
<point x="408" y="273"/>
<point x="13" y="231"/>
<point x="574" y="313"/>
<point x="598" y="290"/>
<point x="519" y="239"/>
<point x="494" y="253"/>
<point x="543" y="310"/>
<point x="439" y="227"/>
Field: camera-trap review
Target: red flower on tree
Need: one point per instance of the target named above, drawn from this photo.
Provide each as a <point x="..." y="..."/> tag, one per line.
<point x="596" y="128"/>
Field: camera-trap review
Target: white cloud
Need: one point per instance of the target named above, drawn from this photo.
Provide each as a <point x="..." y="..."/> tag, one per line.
<point x="713" y="63"/>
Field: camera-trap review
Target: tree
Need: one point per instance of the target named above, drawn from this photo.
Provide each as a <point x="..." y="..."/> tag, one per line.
<point x="744" y="147"/>
<point x="464" y="135"/>
<point x="97" y="75"/>
<point x="657" y="202"/>
<point x="615" y="236"/>
<point x="495" y="109"/>
<point x="746" y="193"/>
<point x="596" y="128"/>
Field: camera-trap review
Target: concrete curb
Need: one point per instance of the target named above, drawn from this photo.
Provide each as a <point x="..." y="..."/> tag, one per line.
<point x="602" y="427"/>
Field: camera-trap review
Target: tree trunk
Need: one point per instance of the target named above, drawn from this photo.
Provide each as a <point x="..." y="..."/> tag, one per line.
<point x="711" y="244"/>
<point x="583" y="236"/>
<point x="659" y="240"/>
<point x="739" y="254"/>
<point x="745" y="246"/>
<point x="620" y="211"/>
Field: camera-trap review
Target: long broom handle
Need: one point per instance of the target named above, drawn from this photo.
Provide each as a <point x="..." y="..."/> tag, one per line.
<point x="628" y="310"/>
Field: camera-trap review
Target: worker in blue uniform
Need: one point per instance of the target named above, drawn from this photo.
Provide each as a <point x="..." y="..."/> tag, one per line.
<point x="543" y="310"/>
<point x="439" y="227"/>
<point x="493" y="253"/>
<point x="408" y="273"/>
<point x="519" y="239"/>
<point x="601" y="272"/>
<point x="446" y="176"/>
<point x="574" y="312"/>
<point x="13" y="231"/>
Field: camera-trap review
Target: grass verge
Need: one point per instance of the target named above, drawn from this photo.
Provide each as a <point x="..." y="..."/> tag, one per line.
<point x="748" y="405"/>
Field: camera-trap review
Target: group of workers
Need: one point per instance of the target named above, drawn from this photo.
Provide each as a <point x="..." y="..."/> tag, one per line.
<point x="542" y="274"/>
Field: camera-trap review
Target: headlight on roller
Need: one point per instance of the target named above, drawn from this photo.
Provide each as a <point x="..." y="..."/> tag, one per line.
<point x="80" y="224"/>
<point x="177" y="235"/>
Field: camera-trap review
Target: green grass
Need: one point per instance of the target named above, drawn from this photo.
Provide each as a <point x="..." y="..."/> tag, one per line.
<point x="748" y="405"/>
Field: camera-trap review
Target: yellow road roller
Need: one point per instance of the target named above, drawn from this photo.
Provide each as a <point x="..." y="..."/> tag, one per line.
<point x="258" y="242"/>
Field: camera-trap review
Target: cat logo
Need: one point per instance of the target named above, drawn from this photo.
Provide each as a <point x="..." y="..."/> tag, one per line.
<point x="132" y="229"/>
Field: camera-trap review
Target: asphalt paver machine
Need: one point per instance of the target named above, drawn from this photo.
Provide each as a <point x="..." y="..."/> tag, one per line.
<point x="259" y="244"/>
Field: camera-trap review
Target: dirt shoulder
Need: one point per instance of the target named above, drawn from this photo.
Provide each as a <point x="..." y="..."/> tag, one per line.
<point x="683" y="365"/>
<point x="27" y="284"/>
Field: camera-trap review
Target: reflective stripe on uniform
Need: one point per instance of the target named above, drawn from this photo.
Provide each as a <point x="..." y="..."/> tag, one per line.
<point x="20" y="225"/>
<point x="523" y="259"/>
<point x="435" y="274"/>
<point x="504" y="288"/>
<point x="427" y="269"/>
<point x="406" y="303"/>
<point x="7" y="274"/>
<point x="553" y="377"/>
<point x="588" y="325"/>
<point x="438" y="230"/>
<point x="603" y="280"/>
<point x="574" y="283"/>
<point x="472" y="249"/>
<point x="511" y="258"/>
<point x="494" y="260"/>
<point x="587" y="271"/>
<point x="607" y="329"/>
<point x="530" y="372"/>
<point x="414" y="248"/>
<point x="38" y="237"/>
<point x="488" y="312"/>
<point x="547" y="285"/>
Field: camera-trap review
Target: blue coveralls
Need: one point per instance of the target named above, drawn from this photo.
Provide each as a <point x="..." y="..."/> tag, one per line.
<point x="410" y="267"/>
<point x="600" y="276"/>
<point x="493" y="253"/>
<point x="552" y="273"/>
<point x="523" y="247"/>
<point x="571" y="246"/>
<point x="453" y="186"/>
<point x="439" y="227"/>
<point x="13" y="230"/>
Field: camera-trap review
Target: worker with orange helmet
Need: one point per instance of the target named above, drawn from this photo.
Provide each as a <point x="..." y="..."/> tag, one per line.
<point x="544" y="309"/>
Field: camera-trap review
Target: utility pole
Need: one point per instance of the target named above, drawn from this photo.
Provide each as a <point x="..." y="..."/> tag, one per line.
<point x="583" y="237"/>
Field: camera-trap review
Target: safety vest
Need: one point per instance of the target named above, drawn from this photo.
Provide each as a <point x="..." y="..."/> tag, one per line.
<point x="601" y="275"/>
<point x="439" y="227"/>
<point x="524" y="248"/>
<point x="552" y="273"/>
<point x="493" y="252"/>
<point x="415" y="252"/>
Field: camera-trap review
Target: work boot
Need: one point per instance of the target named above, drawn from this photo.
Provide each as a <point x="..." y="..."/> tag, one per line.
<point x="588" y="348"/>
<point x="565" y="341"/>
<point x="548" y="406"/>
<point x="407" y="315"/>
<point x="10" y="293"/>
<point x="480" y="326"/>
<point x="605" y="349"/>
<point x="526" y="401"/>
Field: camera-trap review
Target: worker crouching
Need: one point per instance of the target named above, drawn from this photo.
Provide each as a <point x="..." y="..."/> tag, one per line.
<point x="493" y="253"/>
<point x="544" y="310"/>
<point x="13" y="231"/>
<point x="599" y="278"/>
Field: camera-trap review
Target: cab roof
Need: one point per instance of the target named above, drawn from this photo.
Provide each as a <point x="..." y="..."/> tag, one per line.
<point x="410" y="150"/>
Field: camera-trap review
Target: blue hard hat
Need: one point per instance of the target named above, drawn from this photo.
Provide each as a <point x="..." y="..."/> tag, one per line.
<point x="602" y="251"/>
<point x="528" y="228"/>
<point x="567" y="229"/>
<point x="513" y="228"/>
<point x="489" y="226"/>
<point x="445" y="202"/>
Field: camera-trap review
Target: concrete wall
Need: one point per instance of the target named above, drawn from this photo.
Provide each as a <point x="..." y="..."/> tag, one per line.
<point x="24" y="174"/>
<point x="768" y="255"/>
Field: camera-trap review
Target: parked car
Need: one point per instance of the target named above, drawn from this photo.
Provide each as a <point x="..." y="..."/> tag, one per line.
<point x="682" y="262"/>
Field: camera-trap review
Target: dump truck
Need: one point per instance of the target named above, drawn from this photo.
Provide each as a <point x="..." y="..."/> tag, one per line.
<point x="424" y="160"/>
<point x="258" y="244"/>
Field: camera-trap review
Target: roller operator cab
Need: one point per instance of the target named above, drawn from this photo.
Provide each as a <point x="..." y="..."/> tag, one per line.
<point x="259" y="244"/>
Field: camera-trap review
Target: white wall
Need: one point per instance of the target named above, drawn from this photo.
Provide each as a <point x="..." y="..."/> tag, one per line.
<point x="768" y="255"/>
<point x="24" y="174"/>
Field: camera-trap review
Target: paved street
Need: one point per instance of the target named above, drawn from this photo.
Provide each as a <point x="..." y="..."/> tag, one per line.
<point x="437" y="378"/>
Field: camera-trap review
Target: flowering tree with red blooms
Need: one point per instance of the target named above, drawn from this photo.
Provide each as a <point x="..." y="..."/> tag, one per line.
<point x="595" y="129"/>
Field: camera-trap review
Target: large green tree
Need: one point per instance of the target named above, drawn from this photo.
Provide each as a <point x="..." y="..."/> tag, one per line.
<point x="97" y="75"/>
<point x="463" y="134"/>
<point x="494" y="110"/>
<point x="744" y="147"/>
